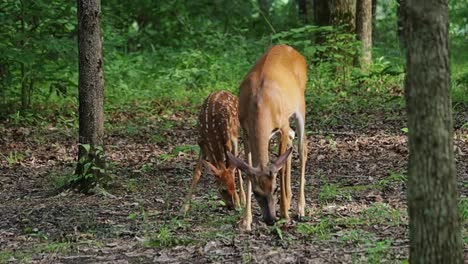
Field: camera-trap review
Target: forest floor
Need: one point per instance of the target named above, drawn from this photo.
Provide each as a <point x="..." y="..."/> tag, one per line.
<point x="355" y="195"/>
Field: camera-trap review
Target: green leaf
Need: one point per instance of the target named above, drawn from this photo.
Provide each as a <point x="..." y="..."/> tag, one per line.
<point x="405" y="129"/>
<point x="86" y="167"/>
<point x="87" y="147"/>
<point x="132" y="216"/>
<point x="278" y="232"/>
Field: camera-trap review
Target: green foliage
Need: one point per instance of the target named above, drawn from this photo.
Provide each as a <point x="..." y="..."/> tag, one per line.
<point x="463" y="210"/>
<point x="191" y="149"/>
<point x="321" y="230"/>
<point x="393" y="177"/>
<point x="165" y="238"/>
<point x="35" y="232"/>
<point x="175" y="53"/>
<point x="382" y="213"/>
<point x="91" y="170"/>
<point x="61" y="181"/>
<point x="14" y="158"/>
<point x="335" y="84"/>
<point x="376" y="253"/>
<point x="336" y="47"/>
<point x="385" y="31"/>
<point x="90" y="166"/>
<point x="331" y="191"/>
<point x="25" y="254"/>
<point x="180" y="76"/>
<point x="38" y="49"/>
<point x="357" y="236"/>
<point x="328" y="193"/>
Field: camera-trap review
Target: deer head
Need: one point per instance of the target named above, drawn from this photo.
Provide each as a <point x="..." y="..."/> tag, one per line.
<point x="263" y="183"/>
<point x="225" y="179"/>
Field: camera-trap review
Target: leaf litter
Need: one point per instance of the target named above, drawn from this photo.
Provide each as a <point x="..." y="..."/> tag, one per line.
<point x="355" y="195"/>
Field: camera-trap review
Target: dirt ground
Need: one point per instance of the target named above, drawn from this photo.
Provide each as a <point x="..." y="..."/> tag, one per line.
<point x="355" y="195"/>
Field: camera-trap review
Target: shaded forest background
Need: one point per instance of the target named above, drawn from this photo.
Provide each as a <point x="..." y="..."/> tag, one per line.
<point x="176" y="52"/>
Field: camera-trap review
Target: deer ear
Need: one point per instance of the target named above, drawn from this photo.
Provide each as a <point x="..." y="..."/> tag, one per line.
<point x="241" y="165"/>
<point x="213" y="168"/>
<point x="279" y="163"/>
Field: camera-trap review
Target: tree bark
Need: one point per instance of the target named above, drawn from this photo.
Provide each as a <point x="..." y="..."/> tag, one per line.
<point x="364" y="31"/>
<point x="91" y="91"/>
<point x="432" y="197"/>
<point x="400" y="18"/>
<point x="374" y="15"/>
<point x="24" y="79"/>
<point x="321" y="12"/>
<point x="374" y="12"/>
<point x="343" y="12"/>
<point x="303" y="12"/>
<point x="335" y="12"/>
<point x="264" y="6"/>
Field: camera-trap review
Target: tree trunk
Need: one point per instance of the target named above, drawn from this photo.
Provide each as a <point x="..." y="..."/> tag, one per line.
<point x="364" y="31"/>
<point x="343" y="12"/>
<point x="400" y="18"/>
<point x="24" y="78"/>
<point x="264" y="6"/>
<point x="321" y="12"/>
<point x="91" y="95"/>
<point x="335" y="12"/>
<point x="303" y="12"/>
<point x="374" y="13"/>
<point x="432" y="196"/>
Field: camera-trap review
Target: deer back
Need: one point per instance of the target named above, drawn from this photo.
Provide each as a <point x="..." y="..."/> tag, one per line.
<point x="217" y="123"/>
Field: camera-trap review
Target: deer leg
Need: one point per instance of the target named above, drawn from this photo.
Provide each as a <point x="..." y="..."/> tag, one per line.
<point x="196" y="177"/>
<point x="239" y="174"/>
<point x="247" y="221"/>
<point x="284" y="201"/>
<point x="303" y="158"/>
<point x="291" y="135"/>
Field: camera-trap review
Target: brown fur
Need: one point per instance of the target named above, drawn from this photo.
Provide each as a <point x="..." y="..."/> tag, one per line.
<point x="218" y="127"/>
<point x="270" y="94"/>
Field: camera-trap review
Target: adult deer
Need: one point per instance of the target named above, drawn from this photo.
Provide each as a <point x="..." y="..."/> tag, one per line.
<point x="218" y="127"/>
<point x="271" y="93"/>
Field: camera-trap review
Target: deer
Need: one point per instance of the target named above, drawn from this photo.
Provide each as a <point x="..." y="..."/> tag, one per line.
<point x="218" y="127"/>
<point x="271" y="93"/>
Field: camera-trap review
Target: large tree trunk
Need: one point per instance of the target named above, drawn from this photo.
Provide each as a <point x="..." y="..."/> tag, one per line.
<point x="343" y="12"/>
<point x="303" y="10"/>
<point x="432" y="196"/>
<point x="321" y="12"/>
<point x="335" y="12"/>
<point x="364" y="31"/>
<point x="91" y="94"/>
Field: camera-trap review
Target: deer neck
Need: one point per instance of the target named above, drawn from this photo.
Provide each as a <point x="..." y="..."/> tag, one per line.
<point x="259" y="140"/>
